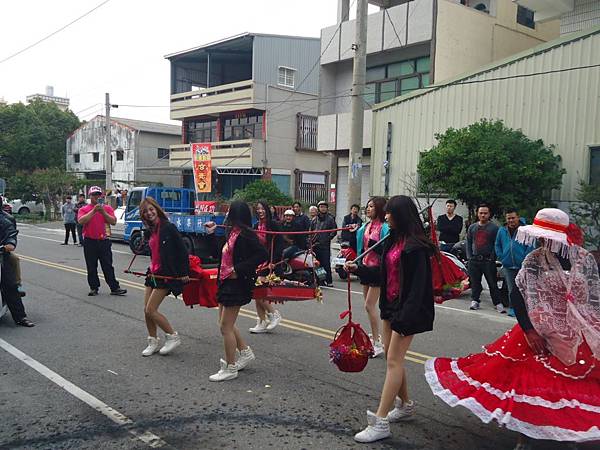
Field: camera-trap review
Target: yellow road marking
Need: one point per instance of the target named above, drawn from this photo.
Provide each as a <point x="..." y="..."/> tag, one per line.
<point x="286" y="323"/>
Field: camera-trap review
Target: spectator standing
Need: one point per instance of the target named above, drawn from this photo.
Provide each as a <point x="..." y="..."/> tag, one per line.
<point x="69" y="215"/>
<point x="301" y="220"/>
<point x="481" y="240"/>
<point x="353" y="219"/>
<point x="449" y="225"/>
<point x="80" y="204"/>
<point x="322" y="241"/>
<point x="510" y="252"/>
<point x="96" y="219"/>
<point x="313" y="212"/>
<point x="292" y="243"/>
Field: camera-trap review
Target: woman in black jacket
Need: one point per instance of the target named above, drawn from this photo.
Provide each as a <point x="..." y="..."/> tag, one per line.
<point x="268" y="317"/>
<point x="238" y="260"/>
<point x="169" y="258"/>
<point x="406" y="306"/>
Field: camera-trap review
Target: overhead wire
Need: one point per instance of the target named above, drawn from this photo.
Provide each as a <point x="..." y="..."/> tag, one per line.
<point x="54" y="32"/>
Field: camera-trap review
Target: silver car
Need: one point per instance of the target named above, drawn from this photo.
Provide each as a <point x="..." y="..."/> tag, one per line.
<point x="30" y="207"/>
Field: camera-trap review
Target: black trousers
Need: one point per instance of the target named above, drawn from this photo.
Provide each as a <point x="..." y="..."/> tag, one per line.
<point x="324" y="257"/>
<point x="70" y="228"/>
<point x="96" y="250"/>
<point x="10" y="295"/>
<point x="80" y="233"/>
<point x="477" y="269"/>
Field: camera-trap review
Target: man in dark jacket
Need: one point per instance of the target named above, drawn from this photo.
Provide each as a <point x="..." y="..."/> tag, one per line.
<point x="352" y="219"/>
<point x="8" y="285"/>
<point x="449" y="225"/>
<point x="322" y="241"/>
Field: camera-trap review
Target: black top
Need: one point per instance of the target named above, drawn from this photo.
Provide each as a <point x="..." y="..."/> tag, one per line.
<point x="248" y="254"/>
<point x="348" y="235"/>
<point x="414" y="310"/>
<point x="8" y="229"/>
<point x="450" y="229"/>
<point x="299" y="240"/>
<point x="323" y="222"/>
<point x="174" y="261"/>
<point x="302" y="222"/>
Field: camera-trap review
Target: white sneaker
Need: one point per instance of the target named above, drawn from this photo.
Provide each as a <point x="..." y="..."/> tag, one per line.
<point x="244" y="358"/>
<point x="152" y="348"/>
<point x="274" y="320"/>
<point x="378" y="428"/>
<point x="226" y="372"/>
<point x="261" y="327"/>
<point x="377" y="347"/>
<point x="402" y="411"/>
<point x="500" y="308"/>
<point x="474" y="305"/>
<point x="172" y="341"/>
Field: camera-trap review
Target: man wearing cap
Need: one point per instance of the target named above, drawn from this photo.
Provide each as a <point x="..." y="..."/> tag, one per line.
<point x="293" y="242"/>
<point x="96" y="219"/>
<point x="322" y="241"/>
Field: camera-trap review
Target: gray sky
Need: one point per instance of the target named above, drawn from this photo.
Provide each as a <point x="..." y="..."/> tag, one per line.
<point x="120" y="47"/>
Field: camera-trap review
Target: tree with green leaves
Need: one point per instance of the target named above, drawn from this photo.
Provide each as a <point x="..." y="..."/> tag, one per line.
<point x="33" y="136"/>
<point x="489" y="162"/>
<point x="262" y="190"/>
<point x="586" y="213"/>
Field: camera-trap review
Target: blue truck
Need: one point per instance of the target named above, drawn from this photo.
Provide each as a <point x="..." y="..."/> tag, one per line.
<point x="178" y="203"/>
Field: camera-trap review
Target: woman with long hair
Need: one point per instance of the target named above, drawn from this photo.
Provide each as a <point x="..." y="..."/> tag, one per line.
<point x="169" y="258"/>
<point x="406" y="306"/>
<point x="366" y="236"/>
<point x="238" y="260"/>
<point x="542" y="377"/>
<point x="268" y="317"/>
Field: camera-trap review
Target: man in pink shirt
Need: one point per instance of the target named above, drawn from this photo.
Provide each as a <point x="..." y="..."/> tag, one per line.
<point x="96" y="219"/>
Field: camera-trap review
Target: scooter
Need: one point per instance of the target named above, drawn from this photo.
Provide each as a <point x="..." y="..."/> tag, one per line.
<point x="303" y="267"/>
<point x="346" y="253"/>
<point x="3" y="307"/>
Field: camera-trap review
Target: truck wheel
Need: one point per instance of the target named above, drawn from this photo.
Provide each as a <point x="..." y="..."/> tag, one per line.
<point x="24" y="210"/>
<point x="189" y="244"/>
<point x="137" y="245"/>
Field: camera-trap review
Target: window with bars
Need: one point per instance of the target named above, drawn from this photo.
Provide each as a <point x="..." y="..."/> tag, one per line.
<point x="399" y="78"/>
<point x="248" y="126"/>
<point x="286" y="77"/>
<point x="162" y="153"/>
<point x="201" y="131"/>
<point x="120" y="155"/>
<point x="96" y="157"/>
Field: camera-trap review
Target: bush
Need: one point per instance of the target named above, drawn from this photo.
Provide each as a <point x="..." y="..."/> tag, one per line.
<point x="262" y="190"/>
<point x="587" y="213"/>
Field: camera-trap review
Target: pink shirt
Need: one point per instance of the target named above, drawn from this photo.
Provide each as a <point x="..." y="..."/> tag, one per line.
<point x="155" y="250"/>
<point x="227" y="256"/>
<point x="372" y="231"/>
<point x="96" y="228"/>
<point x="262" y="237"/>
<point x="392" y="262"/>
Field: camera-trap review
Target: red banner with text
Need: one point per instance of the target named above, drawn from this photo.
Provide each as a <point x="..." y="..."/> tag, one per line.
<point x="202" y="165"/>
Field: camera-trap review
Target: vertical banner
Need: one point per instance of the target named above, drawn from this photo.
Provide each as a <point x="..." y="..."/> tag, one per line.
<point x="202" y="165"/>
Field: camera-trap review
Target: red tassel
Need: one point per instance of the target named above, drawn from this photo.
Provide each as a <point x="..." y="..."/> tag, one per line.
<point x="575" y="235"/>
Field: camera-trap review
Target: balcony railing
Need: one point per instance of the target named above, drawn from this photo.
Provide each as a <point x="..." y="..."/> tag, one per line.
<point x="224" y="153"/>
<point x="226" y="97"/>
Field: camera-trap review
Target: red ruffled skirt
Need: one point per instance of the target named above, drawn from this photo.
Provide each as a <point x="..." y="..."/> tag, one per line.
<point x="539" y="397"/>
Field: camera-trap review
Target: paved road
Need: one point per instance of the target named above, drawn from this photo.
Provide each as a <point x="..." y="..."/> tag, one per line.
<point x="77" y="380"/>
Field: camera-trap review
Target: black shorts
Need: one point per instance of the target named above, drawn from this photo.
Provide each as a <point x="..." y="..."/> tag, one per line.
<point x="174" y="287"/>
<point x="371" y="279"/>
<point x="236" y="292"/>
<point x="389" y="310"/>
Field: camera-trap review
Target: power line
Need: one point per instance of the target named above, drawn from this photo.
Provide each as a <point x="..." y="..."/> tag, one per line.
<point x="89" y="107"/>
<point x="54" y="32"/>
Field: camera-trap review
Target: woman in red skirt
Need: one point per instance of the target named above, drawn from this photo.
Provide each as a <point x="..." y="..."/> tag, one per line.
<point x="542" y="377"/>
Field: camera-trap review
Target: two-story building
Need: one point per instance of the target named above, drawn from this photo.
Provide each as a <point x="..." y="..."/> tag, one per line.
<point x="139" y="152"/>
<point x="411" y="44"/>
<point x="254" y="98"/>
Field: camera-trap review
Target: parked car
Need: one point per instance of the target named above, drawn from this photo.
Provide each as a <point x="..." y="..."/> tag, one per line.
<point x="30" y="207"/>
<point x="118" y="231"/>
<point x="6" y="206"/>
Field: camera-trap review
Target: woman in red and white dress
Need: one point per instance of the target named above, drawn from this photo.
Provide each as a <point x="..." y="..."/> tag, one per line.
<point x="542" y="377"/>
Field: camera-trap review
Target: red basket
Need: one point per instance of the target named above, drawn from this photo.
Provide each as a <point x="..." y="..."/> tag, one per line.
<point x="351" y="349"/>
<point x="284" y="293"/>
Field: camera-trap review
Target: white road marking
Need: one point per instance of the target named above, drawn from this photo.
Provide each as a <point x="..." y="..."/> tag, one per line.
<point x="120" y="419"/>
<point x="54" y="240"/>
<point x="112" y="371"/>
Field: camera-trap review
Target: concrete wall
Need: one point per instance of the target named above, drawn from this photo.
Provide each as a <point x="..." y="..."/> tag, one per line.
<point x="270" y="52"/>
<point x="560" y="108"/>
<point x="149" y="169"/>
<point x="483" y="38"/>
<point x="586" y="14"/>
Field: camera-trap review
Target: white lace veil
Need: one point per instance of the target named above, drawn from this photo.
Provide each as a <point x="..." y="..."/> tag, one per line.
<point x="563" y="306"/>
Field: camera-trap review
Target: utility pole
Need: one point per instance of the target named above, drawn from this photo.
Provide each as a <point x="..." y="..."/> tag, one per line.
<point x="107" y="155"/>
<point x="357" y="109"/>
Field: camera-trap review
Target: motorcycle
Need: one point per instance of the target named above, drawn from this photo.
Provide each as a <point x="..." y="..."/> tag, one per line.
<point x="3" y="307"/>
<point x="303" y="267"/>
<point x="346" y="253"/>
